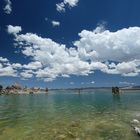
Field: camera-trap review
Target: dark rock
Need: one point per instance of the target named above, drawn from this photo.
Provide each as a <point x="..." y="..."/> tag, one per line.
<point x="115" y="90"/>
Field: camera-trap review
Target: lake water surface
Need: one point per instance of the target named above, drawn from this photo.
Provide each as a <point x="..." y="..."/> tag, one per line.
<point x="67" y="115"/>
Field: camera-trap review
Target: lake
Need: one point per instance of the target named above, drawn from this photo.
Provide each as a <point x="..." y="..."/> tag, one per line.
<point x="68" y="115"/>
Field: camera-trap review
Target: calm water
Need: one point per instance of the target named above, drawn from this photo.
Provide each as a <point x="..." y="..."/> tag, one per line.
<point x="66" y="115"/>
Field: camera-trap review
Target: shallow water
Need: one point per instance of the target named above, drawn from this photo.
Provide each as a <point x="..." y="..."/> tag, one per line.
<point x="67" y="115"/>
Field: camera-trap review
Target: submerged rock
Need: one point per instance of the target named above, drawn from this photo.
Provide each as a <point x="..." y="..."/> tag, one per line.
<point x="61" y="137"/>
<point x="75" y="124"/>
<point x="71" y="135"/>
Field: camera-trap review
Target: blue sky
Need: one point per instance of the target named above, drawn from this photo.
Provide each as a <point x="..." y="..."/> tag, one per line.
<point x="70" y="43"/>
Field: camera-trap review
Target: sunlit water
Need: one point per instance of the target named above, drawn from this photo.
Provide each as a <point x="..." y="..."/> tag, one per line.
<point x="67" y="115"/>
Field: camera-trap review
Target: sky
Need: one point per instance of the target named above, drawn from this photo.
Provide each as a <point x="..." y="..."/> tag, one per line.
<point x="70" y="43"/>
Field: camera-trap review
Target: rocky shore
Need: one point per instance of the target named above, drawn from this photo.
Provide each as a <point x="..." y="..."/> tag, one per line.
<point x="17" y="89"/>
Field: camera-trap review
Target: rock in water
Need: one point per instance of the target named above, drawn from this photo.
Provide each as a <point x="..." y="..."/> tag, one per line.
<point x="137" y="130"/>
<point x="71" y="135"/>
<point x="74" y="124"/>
<point x="135" y="121"/>
<point x="115" y="90"/>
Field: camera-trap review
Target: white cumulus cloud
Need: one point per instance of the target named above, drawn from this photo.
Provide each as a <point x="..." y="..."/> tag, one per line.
<point x="55" y="59"/>
<point x="100" y="49"/>
<point x="33" y="65"/>
<point x="122" y="45"/>
<point x="3" y="59"/>
<point x="6" y="69"/>
<point x="61" y="7"/>
<point x="13" y="29"/>
<point x="26" y="74"/>
<point x="8" y="7"/>
<point x="55" y="23"/>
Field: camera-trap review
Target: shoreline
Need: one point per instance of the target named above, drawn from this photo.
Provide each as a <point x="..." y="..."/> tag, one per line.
<point x="23" y="93"/>
<point x="81" y="90"/>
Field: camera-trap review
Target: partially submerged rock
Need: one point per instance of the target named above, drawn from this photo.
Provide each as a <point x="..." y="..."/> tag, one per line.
<point x="115" y="90"/>
<point x="71" y="135"/>
<point x="137" y="130"/>
<point x="61" y="137"/>
<point x="135" y="121"/>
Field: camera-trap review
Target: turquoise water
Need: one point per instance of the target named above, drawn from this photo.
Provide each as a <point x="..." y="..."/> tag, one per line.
<point x="67" y="115"/>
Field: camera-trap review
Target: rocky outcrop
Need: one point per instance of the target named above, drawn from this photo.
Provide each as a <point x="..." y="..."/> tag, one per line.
<point x="115" y="90"/>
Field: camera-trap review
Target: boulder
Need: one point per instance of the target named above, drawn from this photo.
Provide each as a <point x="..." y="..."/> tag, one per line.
<point x="135" y="121"/>
<point x="137" y="130"/>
